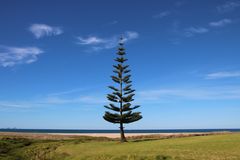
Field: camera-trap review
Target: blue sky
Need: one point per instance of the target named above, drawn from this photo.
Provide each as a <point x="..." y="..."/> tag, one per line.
<point x="56" y="60"/>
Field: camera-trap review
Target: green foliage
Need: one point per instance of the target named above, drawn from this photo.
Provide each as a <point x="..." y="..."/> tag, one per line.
<point x="123" y="111"/>
<point x="120" y="59"/>
<point x="113" y="88"/>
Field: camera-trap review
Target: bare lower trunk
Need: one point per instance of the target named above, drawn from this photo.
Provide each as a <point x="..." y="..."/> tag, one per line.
<point x="123" y="138"/>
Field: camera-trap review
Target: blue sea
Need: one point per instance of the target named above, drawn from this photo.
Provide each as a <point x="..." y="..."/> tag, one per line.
<point x="117" y="131"/>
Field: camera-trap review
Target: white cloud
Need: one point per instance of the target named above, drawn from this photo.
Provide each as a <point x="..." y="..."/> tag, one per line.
<point x="189" y="32"/>
<point x="221" y="23"/>
<point x="129" y="35"/>
<point x="228" y="6"/>
<point x="41" y="30"/>
<point x="90" y="40"/>
<point x="11" y="56"/>
<point x="97" y="43"/>
<point x="162" y="14"/>
<point x="219" y="75"/>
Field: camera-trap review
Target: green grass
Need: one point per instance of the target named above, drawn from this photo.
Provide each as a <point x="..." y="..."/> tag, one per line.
<point x="212" y="147"/>
<point x="23" y="149"/>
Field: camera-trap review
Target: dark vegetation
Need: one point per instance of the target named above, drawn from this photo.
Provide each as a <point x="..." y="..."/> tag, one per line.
<point x="19" y="148"/>
<point x="43" y="147"/>
<point x="122" y="95"/>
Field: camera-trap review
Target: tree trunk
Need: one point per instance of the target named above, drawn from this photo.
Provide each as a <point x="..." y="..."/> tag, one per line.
<point x="123" y="138"/>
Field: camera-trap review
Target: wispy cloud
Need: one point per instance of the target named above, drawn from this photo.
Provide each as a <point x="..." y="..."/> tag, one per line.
<point x="90" y="100"/>
<point x="165" y="95"/>
<point x="97" y="43"/>
<point x="51" y="101"/>
<point x="11" y="56"/>
<point x="179" y="3"/>
<point x="173" y="94"/>
<point x="196" y="30"/>
<point x="130" y="35"/>
<point x="6" y="104"/>
<point x="220" y="23"/>
<point x="92" y="40"/>
<point x="111" y="23"/>
<point x="67" y="92"/>
<point x="225" y="74"/>
<point x="228" y="6"/>
<point x="162" y="14"/>
<point x="42" y="30"/>
<point x="189" y="32"/>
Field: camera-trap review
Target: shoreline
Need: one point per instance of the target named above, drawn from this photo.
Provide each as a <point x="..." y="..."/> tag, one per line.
<point x="106" y="135"/>
<point x="129" y="135"/>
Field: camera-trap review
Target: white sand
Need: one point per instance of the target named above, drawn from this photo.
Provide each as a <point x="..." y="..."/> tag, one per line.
<point x="109" y="135"/>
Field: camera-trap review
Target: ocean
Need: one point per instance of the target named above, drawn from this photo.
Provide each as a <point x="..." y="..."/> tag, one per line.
<point x="117" y="131"/>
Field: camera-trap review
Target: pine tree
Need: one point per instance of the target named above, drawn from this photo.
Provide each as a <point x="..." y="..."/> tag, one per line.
<point x="122" y="96"/>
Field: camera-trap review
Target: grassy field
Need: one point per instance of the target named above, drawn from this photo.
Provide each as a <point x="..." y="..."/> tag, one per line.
<point x="212" y="147"/>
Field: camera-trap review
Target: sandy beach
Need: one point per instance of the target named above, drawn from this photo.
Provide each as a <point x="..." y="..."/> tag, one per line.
<point x="108" y="135"/>
<point x="117" y="135"/>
